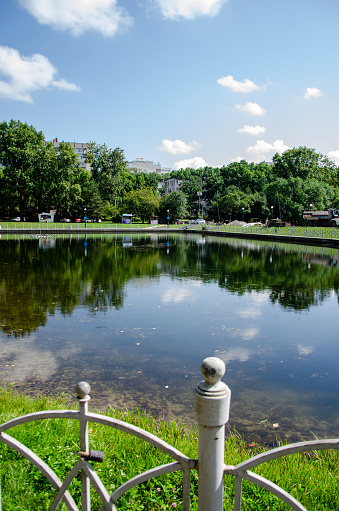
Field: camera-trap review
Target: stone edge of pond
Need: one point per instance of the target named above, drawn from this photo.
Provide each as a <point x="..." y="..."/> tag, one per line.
<point x="204" y="232"/>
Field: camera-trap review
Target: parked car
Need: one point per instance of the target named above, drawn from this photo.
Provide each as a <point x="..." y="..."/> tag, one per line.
<point x="65" y="219"/>
<point x="78" y="219"/>
<point x="198" y="221"/>
<point x="16" y="219"/>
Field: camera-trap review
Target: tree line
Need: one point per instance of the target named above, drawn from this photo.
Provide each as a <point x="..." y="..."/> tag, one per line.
<point x="36" y="178"/>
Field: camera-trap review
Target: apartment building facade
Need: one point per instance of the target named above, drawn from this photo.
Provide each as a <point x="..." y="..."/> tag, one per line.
<point x="141" y="165"/>
<point x="80" y="149"/>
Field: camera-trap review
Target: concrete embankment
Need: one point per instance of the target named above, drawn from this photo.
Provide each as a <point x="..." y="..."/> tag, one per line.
<point x="204" y="231"/>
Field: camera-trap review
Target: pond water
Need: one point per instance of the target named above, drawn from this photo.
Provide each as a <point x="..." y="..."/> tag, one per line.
<point x="135" y="316"/>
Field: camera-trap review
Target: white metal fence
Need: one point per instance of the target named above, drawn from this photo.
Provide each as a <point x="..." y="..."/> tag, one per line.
<point x="300" y="231"/>
<point x="211" y="406"/>
<point x="297" y="231"/>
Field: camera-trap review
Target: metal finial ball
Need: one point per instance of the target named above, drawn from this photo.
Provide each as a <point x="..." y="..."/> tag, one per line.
<point x="212" y="369"/>
<point x="83" y="389"/>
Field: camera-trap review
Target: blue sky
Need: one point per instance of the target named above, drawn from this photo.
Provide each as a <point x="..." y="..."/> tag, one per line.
<point x="180" y="82"/>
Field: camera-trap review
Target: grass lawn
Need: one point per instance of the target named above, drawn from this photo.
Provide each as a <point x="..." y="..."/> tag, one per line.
<point x="312" y="478"/>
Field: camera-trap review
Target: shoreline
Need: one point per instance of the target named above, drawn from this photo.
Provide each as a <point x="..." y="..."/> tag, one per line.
<point x="204" y="231"/>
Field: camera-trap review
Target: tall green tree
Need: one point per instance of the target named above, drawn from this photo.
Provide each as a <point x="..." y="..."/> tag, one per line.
<point x="233" y="202"/>
<point x="143" y="203"/>
<point x="91" y="199"/>
<point x="106" y="166"/>
<point x="67" y="179"/>
<point x="191" y="187"/>
<point x="20" y="145"/>
<point x="305" y="163"/>
<point x="175" y="203"/>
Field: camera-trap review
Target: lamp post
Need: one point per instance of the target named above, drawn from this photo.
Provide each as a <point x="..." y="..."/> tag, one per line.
<point x="168" y="217"/>
<point x="85" y="217"/>
<point x="271" y="212"/>
<point x="218" y="197"/>
<point x="199" y="195"/>
<point x="311" y="206"/>
<point x="230" y="214"/>
<point x="243" y="212"/>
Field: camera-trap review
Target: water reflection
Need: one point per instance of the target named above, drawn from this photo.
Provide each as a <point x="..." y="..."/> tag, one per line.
<point x="136" y="315"/>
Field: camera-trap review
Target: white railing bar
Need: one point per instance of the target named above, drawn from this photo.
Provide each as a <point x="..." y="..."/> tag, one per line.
<point x="139" y="433"/>
<point x="100" y="488"/>
<point x="63" y="488"/>
<point x="40" y="465"/>
<point x="50" y="414"/>
<point x="275" y="490"/>
<point x="100" y="419"/>
<point x="146" y="476"/>
<point x="82" y="465"/>
<point x="186" y="489"/>
<point x="237" y="492"/>
<point x="84" y="445"/>
<point x="313" y="445"/>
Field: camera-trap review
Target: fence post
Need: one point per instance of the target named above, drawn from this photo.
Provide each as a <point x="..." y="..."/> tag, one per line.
<point x="211" y="410"/>
<point x="83" y="389"/>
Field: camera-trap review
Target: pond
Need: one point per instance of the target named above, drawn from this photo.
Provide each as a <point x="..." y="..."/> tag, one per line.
<point x="135" y="315"/>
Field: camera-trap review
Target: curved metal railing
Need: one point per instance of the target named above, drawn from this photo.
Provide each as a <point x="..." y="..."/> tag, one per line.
<point x="242" y="470"/>
<point x="88" y="474"/>
<point x="212" y="400"/>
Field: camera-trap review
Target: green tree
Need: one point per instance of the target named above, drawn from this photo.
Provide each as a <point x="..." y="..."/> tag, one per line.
<point x="106" y="166"/>
<point x="176" y="203"/>
<point x="213" y="183"/>
<point x="67" y="179"/>
<point x="143" y="203"/>
<point x="233" y="202"/>
<point x="20" y="145"/>
<point x="290" y="197"/>
<point x="92" y="199"/>
<point x="191" y="187"/>
<point x="305" y="163"/>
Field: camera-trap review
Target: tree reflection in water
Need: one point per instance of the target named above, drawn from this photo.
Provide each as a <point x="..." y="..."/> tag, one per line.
<point x="154" y="306"/>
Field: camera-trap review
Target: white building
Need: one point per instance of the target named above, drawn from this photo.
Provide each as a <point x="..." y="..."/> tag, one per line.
<point x="172" y="185"/>
<point x="80" y="150"/>
<point x="141" y="165"/>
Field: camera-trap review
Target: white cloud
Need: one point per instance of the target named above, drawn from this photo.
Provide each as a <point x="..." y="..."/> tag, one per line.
<point x="245" y="86"/>
<point x="250" y="312"/>
<point x="77" y="16"/>
<point x="178" y="146"/>
<point x="252" y="130"/>
<point x="334" y="155"/>
<point x="304" y="350"/>
<point x="193" y="163"/>
<point x="63" y="85"/>
<point x="176" y="295"/>
<point x="26" y="75"/>
<point x="312" y="92"/>
<point x="251" y="108"/>
<point x="189" y="9"/>
<point x="239" y="354"/>
<point x="28" y="361"/>
<point x="264" y="150"/>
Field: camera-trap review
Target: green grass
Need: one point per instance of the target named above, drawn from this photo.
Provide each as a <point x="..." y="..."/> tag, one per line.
<point x="311" y="478"/>
<point x="294" y="231"/>
<point x="72" y="225"/>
